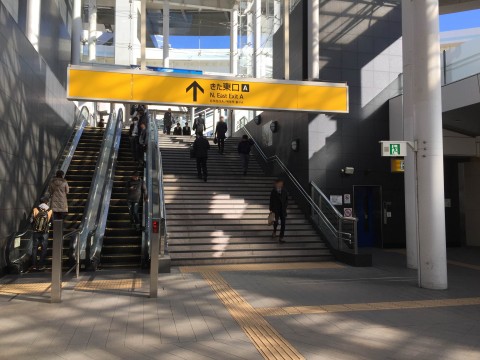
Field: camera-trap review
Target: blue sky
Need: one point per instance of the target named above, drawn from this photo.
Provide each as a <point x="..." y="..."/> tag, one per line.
<point x="459" y="21"/>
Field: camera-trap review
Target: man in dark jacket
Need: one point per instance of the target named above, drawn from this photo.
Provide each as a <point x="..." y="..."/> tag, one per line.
<point x="244" y="148"/>
<point x="167" y="121"/>
<point x="187" y="131"/>
<point x="278" y="205"/>
<point x="199" y="125"/>
<point x="220" y="134"/>
<point x="142" y="143"/>
<point x="200" y="149"/>
<point x="177" y="130"/>
<point x="135" y="186"/>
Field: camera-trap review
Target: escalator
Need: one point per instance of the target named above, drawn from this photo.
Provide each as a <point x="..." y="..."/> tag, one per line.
<point x="80" y="175"/>
<point x="122" y="243"/>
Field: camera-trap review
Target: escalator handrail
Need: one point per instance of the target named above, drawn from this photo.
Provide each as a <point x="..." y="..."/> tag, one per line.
<point x="82" y="119"/>
<point x="91" y="212"/>
<point x="96" y="247"/>
<point x="155" y="206"/>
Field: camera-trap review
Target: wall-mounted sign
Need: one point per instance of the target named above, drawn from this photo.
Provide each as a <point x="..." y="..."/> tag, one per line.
<point x="347" y="199"/>
<point x="394" y="148"/>
<point x="397" y="165"/>
<point x="348" y="212"/>
<point x="336" y="199"/>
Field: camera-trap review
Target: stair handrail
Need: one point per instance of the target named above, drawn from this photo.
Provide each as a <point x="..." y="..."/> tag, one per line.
<point x="93" y="205"/>
<point x="79" y="125"/>
<point x="112" y="156"/>
<point x="336" y="237"/>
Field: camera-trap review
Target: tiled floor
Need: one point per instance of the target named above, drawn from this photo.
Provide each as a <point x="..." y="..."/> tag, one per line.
<point x="254" y="312"/>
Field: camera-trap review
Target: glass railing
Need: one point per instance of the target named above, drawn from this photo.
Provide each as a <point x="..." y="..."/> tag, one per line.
<point x="111" y="156"/>
<point x="16" y="256"/>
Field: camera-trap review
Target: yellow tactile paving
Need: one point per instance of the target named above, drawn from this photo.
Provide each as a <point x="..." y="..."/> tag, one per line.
<point x="114" y="284"/>
<point x="262" y="267"/>
<point x="265" y="338"/>
<point x="387" y="305"/>
<point x="25" y="287"/>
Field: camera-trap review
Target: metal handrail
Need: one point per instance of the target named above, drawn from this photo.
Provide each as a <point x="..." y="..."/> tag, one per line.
<point x="335" y="235"/>
<point x="104" y="204"/>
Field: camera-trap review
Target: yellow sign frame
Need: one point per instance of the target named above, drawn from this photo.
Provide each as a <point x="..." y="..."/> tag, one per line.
<point x="135" y="86"/>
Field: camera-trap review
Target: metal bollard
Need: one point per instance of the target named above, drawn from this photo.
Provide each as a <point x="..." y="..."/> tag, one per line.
<point x="56" y="295"/>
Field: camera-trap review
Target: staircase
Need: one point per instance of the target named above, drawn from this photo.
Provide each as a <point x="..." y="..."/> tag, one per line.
<point x="224" y="221"/>
<point x="121" y="244"/>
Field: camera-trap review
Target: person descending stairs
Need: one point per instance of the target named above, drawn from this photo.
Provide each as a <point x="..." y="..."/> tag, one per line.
<point x="224" y="220"/>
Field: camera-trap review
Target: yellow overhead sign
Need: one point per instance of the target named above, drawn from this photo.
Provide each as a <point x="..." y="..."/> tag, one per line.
<point x="86" y="83"/>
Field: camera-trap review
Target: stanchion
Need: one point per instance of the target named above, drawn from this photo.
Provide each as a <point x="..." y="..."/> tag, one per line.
<point x="56" y="295"/>
<point x="155" y="248"/>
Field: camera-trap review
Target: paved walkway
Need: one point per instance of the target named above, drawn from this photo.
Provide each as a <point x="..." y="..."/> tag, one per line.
<point x="284" y="311"/>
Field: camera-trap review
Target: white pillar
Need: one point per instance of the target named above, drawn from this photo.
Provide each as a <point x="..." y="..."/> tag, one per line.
<point x="166" y="34"/>
<point x="234" y="40"/>
<point x="192" y="115"/>
<point x="257" y="38"/>
<point x="92" y="30"/>
<point x="76" y="32"/>
<point x="286" y="37"/>
<point x="143" y="35"/>
<point x="126" y="42"/>
<point x="277" y="15"/>
<point x="33" y="22"/>
<point x="411" y="209"/>
<point x="313" y="39"/>
<point x="427" y="112"/>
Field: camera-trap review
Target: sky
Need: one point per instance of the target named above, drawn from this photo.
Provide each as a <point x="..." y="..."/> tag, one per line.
<point x="460" y="21"/>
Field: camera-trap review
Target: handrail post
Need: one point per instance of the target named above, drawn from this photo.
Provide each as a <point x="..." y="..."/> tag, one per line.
<point x="78" y="258"/>
<point x="355" y="240"/>
<point x="339" y="234"/>
<point x="56" y="288"/>
<point x="154" y="247"/>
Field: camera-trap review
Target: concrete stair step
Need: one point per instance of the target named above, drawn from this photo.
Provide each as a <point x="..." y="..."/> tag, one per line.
<point x="241" y="240"/>
<point x="249" y="260"/>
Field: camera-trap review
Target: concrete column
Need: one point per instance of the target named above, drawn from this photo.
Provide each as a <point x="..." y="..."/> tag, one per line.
<point x="277" y="15"/>
<point x="234" y="40"/>
<point x="250" y="40"/>
<point x="76" y="32"/>
<point x="166" y="33"/>
<point x="92" y="30"/>
<point x="143" y="35"/>
<point x="192" y="116"/>
<point x="257" y="38"/>
<point x="411" y="213"/>
<point x="427" y="113"/>
<point x="126" y="42"/>
<point x="286" y="36"/>
<point x="33" y="22"/>
<point x="313" y="39"/>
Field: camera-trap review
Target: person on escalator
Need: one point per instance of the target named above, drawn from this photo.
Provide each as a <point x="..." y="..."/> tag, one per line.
<point x="58" y="190"/>
<point x="133" y="137"/>
<point x="135" y="186"/>
<point x="142" y="143"/>
<point x="40" y="219"/>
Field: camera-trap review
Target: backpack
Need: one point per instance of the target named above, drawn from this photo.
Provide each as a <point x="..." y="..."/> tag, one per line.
<point x="40" y="222"/>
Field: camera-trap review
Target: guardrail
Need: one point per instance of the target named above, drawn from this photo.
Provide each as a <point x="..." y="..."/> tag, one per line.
<point x="339" y="231"/>
<point x="154" y="207"/>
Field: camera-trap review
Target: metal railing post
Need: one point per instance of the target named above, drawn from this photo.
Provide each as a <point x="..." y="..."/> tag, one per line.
<point x="154" y="248"/>
<point x="56" y="289"/>
<point x="78" y="258"/>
